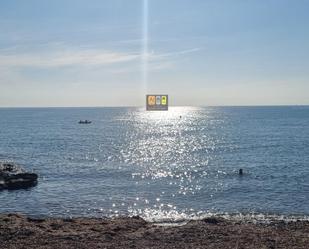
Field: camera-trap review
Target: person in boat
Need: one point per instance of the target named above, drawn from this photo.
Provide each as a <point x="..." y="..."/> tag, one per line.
<point x="84" y="122"/>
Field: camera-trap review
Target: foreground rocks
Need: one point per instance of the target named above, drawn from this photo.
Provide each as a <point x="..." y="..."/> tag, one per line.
<point x="14" y="177"/>
<point x="17" y="231"/>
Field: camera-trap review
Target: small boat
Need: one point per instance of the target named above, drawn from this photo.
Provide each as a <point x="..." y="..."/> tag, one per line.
<point x="84" y="121"/>
<point x="14" y="177"/>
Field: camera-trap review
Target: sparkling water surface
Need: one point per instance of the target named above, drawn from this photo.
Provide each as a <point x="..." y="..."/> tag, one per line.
<point x="173" y="165"/>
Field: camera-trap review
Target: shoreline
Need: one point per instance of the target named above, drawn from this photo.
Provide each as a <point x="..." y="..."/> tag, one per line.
<point x="21" y="231"/>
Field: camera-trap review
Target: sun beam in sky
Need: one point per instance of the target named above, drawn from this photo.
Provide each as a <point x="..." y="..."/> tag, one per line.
<point x="145" y="46"/>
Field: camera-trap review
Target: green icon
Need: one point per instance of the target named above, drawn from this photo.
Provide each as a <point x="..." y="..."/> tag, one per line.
<point x="163" y="100"/>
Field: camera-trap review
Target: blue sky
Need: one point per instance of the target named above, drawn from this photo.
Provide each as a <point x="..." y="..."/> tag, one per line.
<point x="200" y="52"/>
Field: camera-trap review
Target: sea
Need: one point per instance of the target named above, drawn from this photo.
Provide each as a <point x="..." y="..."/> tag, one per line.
<point x="165" y="166"/>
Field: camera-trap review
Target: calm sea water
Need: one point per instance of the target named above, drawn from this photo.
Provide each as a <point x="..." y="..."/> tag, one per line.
<point x="157" y="164"/>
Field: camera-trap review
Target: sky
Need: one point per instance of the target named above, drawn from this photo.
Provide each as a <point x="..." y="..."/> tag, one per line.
<point x="113" y="52"/>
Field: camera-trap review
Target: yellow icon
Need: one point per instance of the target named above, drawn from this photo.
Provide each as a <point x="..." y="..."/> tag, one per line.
<point x="151" y="100"/>
<point x="163" y="100"/>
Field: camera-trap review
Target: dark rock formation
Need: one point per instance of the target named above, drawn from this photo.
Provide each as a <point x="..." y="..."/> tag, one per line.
<point x="14" y="177"/>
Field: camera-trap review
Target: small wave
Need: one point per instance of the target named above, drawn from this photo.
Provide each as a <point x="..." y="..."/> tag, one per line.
<point x="174" y="217"/>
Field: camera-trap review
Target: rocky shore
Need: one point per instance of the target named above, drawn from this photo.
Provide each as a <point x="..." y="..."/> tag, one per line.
<point x="13" y="176"/>
<point x="18" y="231"/>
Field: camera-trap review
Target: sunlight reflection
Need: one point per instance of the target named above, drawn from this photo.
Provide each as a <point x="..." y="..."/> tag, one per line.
<point x="172" y="115"/>
<point x="163" y="145"/>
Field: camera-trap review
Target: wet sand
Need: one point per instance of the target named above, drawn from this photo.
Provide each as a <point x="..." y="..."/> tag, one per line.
<point x="18" y="231"/>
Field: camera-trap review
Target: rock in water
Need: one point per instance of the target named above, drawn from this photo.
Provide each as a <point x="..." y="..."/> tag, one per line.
<point x="14" y="177"/>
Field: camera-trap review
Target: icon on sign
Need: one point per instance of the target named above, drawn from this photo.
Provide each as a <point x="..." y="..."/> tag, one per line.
<point x="151" y="100"/>
<point x="163" y="100"/>
<point x="158" y="100"/>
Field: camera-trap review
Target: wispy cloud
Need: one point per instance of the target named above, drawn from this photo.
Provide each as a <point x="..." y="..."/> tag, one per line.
<point x="49" y="57"/>
<point x="66" y="58"/>
<point x="154" y="56"/>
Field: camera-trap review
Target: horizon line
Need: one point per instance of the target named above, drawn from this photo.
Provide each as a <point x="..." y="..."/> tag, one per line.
<point x="135" y="106"/>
